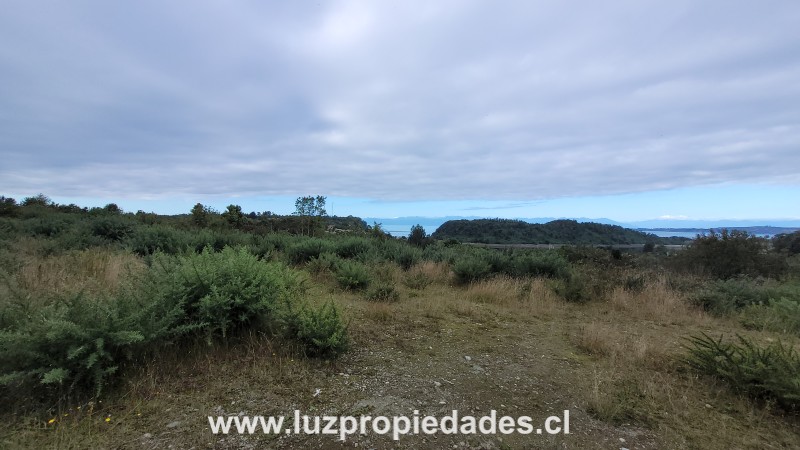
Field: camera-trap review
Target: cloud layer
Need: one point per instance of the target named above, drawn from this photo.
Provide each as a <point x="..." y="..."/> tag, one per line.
<point x="397" y="100"/>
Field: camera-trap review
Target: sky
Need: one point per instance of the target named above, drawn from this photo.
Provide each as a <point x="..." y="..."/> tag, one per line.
<point x="628" y="110"/>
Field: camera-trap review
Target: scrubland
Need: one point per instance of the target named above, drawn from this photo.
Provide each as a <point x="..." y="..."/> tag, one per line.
<point x="125" y="331"/>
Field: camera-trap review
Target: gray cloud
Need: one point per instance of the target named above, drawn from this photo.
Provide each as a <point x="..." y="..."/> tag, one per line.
<point x="398" y="101"/>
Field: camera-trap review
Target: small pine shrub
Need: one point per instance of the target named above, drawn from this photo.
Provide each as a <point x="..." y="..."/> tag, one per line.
<point x="352" y="275"/>
<point x="769" y="372"/>
<point x="321" y="332"/>
<point x="383" y="292"/>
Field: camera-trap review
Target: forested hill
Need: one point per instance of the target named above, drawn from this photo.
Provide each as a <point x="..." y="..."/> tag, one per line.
<point x="505" y="231"/>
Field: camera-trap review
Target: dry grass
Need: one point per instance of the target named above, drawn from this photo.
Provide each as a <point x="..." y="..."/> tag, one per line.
<point x="94" y="270"/>
<point x="436" y="272"/>
<point x="379" y="312"/>
<point x="658" y="303"/>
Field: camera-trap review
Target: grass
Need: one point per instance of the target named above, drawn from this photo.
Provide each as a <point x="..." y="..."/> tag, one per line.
<point x="613" y="362"/>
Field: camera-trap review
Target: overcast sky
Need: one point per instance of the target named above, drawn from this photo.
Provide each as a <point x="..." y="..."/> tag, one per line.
<point x="485" y="107"/>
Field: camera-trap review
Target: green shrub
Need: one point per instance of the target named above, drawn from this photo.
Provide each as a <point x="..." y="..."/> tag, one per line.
<point x="769" y="372"/>
<point x="417" y="280"/>
<point x="47" y="226"/>
<point x="726" y="296"/>
<point x="302" y="252"/>
<point x="352" y="247"/>
<point x="73" y="343"/>
<point x="406" y="256"/>
<point x="634" y="283"/>
<point x="548" y="263"/>
<point x="221" y="292"/>
<point x="574" y="288"/>
<point x="326" y="262"/>
<point x="352" y="275"/>
<point x="383" y="292"/>
<point x="279" y="241"/>
<point x="471" y="269"/>
<point x="781" y="315"/>
<point x="730" y="254"/>
<point x="787" y="243"/>
<point x="146" y="240"/>
<point x="113" y="228"/>
<point x="417" y="237"/>
<point x="321" y="332"/>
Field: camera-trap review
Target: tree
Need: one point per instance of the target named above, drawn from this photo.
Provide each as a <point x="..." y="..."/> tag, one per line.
<point x="310" y="206"/>
<point x="311" y="209"/>
<point x="113" y="208"/>
<point x="8" y="206"/>
<point x="787" y="243"/>
<point x="418" y="237"/>
<point x="37" y="200"/>
<point x="234" y="215"/>
<point x="200" y="215"/>
<point x="377" y="230"/>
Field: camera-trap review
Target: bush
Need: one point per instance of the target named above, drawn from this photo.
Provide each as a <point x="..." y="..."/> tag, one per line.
<point x="781" y="315"/>
<point x="221" y="292"/>
<point x="574" y="288"/>
<point x="406" y="257"/>
<point x="417" y="280"/>
<point x="787" y="243"/>
<point x="47" y="226"/>
<point x="634" y="283"/>
<point x="72" y="344"/>
<point x="321" y="331"/>
<point x="769" y="372"/>
<point x="383" y="292"/>
<point x="113" y="228"/>
<point x="730" y="254"/>
<point x="303" y="251"/>
<point x="352" y="247"/>
<point x="471" y="269"/>
<point x="726" y="296"/>
<point x="352" y="275"/>
<point x="326" y="262"/>
<point x="147" y="240"/>
<point x="549" y="264"/>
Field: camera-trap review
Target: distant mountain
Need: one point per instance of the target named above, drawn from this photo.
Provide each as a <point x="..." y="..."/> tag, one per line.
<point x="758" y="231"/>
<point x="507" y="231"/>
<point x="707" y="224"/>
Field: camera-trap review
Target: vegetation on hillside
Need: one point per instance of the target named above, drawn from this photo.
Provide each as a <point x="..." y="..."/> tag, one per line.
<point x="506" y="231"/>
